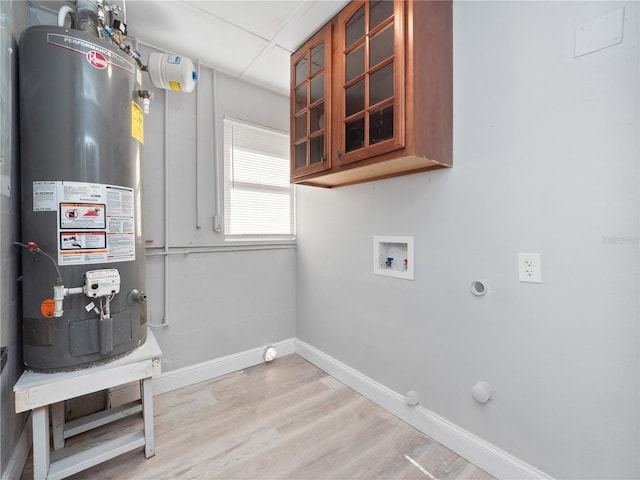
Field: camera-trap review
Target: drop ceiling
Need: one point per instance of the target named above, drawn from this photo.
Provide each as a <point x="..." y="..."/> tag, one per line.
<point x="250" y="39"/>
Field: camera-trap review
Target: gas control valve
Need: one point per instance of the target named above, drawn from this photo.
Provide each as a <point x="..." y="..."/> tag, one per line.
<point x="102" y="283"/>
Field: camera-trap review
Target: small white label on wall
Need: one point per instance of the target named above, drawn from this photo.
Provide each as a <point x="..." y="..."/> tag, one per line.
<point x="599" y="33"/>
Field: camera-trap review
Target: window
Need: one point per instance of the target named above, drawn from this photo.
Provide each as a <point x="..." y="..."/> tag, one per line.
<point x="259" y="201"/>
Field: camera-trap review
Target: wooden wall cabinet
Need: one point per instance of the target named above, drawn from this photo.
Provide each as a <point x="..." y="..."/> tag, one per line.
<point x="388" y="107"/>
<point x="311" y="106"/>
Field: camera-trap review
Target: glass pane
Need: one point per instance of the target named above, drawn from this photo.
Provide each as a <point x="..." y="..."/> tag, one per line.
<point x="354" y="135"/>
<point x="355" y="27"/>
<point x="381" y="84"/>
<point x="317" y="149"/>
<point x="317" y="88"/>
<point x="317" y="58"/>
<point x="381" y="46"/>
<point x="354" y="63"/>
<point x="301" y="70"/>
<point x="301" y="126"/>
<point x="354" y="96"/>
<point x="301" y="98"/>
<point x="379" y="11"/>
<point x="317" y="118"/>
<point x="381" y="125"/>
<point x="301" y="155"/>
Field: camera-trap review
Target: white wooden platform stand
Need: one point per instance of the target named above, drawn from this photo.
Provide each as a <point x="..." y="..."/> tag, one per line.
<point x="39" y="391"/>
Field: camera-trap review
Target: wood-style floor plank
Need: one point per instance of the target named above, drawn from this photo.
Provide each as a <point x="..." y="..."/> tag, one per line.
<point x="282" y="420"/>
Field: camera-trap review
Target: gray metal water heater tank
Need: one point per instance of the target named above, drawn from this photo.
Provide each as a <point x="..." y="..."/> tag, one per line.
<point x="81" y="137"/>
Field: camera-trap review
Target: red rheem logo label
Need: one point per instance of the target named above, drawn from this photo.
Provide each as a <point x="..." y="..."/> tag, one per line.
<point x="97" y="60"/>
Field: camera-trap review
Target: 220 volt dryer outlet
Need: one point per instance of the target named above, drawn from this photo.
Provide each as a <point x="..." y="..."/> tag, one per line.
<point x="529" y="267"/>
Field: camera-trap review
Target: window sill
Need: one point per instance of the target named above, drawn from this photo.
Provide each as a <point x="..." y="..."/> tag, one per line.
<point x="259" y="243"/>
<point x="259" y="240"/>
<point x="228" y="246"/>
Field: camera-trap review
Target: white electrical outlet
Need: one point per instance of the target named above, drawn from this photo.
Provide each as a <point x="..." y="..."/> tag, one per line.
<point x="529" y="267"/>
<point x="217" y="223"/>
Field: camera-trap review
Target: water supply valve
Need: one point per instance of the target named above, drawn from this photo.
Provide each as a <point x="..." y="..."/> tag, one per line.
<point x="120" y="26"/>
<point x="146" y="97"/>
<point x="102" y="283"/>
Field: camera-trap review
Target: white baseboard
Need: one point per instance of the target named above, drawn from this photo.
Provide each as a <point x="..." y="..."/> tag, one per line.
<point x="490" y="458"/>
<point x="18" y="459"/>
<point x="201" y="372"/>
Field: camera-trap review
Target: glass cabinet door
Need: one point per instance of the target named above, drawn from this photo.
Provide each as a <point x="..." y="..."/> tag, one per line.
<point x="370" y="73"/>
<point x="310" y="105"/>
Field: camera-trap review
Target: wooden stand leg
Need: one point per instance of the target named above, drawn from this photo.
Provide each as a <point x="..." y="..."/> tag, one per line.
<point x="40" y="421"/>
<point x="57" y="422"/>
<point x="146" y="392"/>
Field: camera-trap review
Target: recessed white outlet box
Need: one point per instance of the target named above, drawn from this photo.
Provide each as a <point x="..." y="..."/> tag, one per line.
<point x="599" y="33"/>
<point x="529" y="267"/>
<point x="393" y="256"/>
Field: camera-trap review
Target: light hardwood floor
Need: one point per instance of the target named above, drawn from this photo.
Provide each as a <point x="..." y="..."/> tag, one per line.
<point x="283" y="420"/>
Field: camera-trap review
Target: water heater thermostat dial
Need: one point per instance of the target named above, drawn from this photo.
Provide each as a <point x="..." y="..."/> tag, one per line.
<point x="102" y="283"/>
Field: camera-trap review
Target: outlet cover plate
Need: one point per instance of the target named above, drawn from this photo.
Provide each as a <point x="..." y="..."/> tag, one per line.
<point x="529" y="267"/>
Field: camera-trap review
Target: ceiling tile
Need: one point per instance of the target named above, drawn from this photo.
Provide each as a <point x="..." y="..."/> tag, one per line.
<point x="180" y="28"/>
<point x="271" y="69"/>
<point x="308" y="20"/>
<point x="252" y="39"/>
<point x="262" y="18"/>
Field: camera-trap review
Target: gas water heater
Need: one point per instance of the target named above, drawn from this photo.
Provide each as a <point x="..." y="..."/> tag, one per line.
<point x="81" y="129"/>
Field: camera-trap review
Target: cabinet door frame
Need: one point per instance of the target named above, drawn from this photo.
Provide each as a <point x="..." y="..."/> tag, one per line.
<point x="397" y="141"/>
<point x="322" y="36"/>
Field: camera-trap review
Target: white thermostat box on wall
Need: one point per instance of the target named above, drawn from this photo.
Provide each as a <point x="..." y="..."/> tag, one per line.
<point x="393" y="256"/>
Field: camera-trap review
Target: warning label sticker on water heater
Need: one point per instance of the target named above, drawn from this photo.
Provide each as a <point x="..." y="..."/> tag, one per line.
<point x="96" y="222"/>
<point x="82" y="215"/>
<point x="137" y="122"/>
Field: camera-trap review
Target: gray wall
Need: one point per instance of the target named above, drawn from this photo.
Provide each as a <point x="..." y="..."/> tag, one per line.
<point x="545" y="160"/>
<point x="221" y="299"/>
<point x="13" y="17"/>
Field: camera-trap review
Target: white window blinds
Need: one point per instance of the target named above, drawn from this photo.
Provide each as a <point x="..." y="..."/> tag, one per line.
<point x="259" y="201"/>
